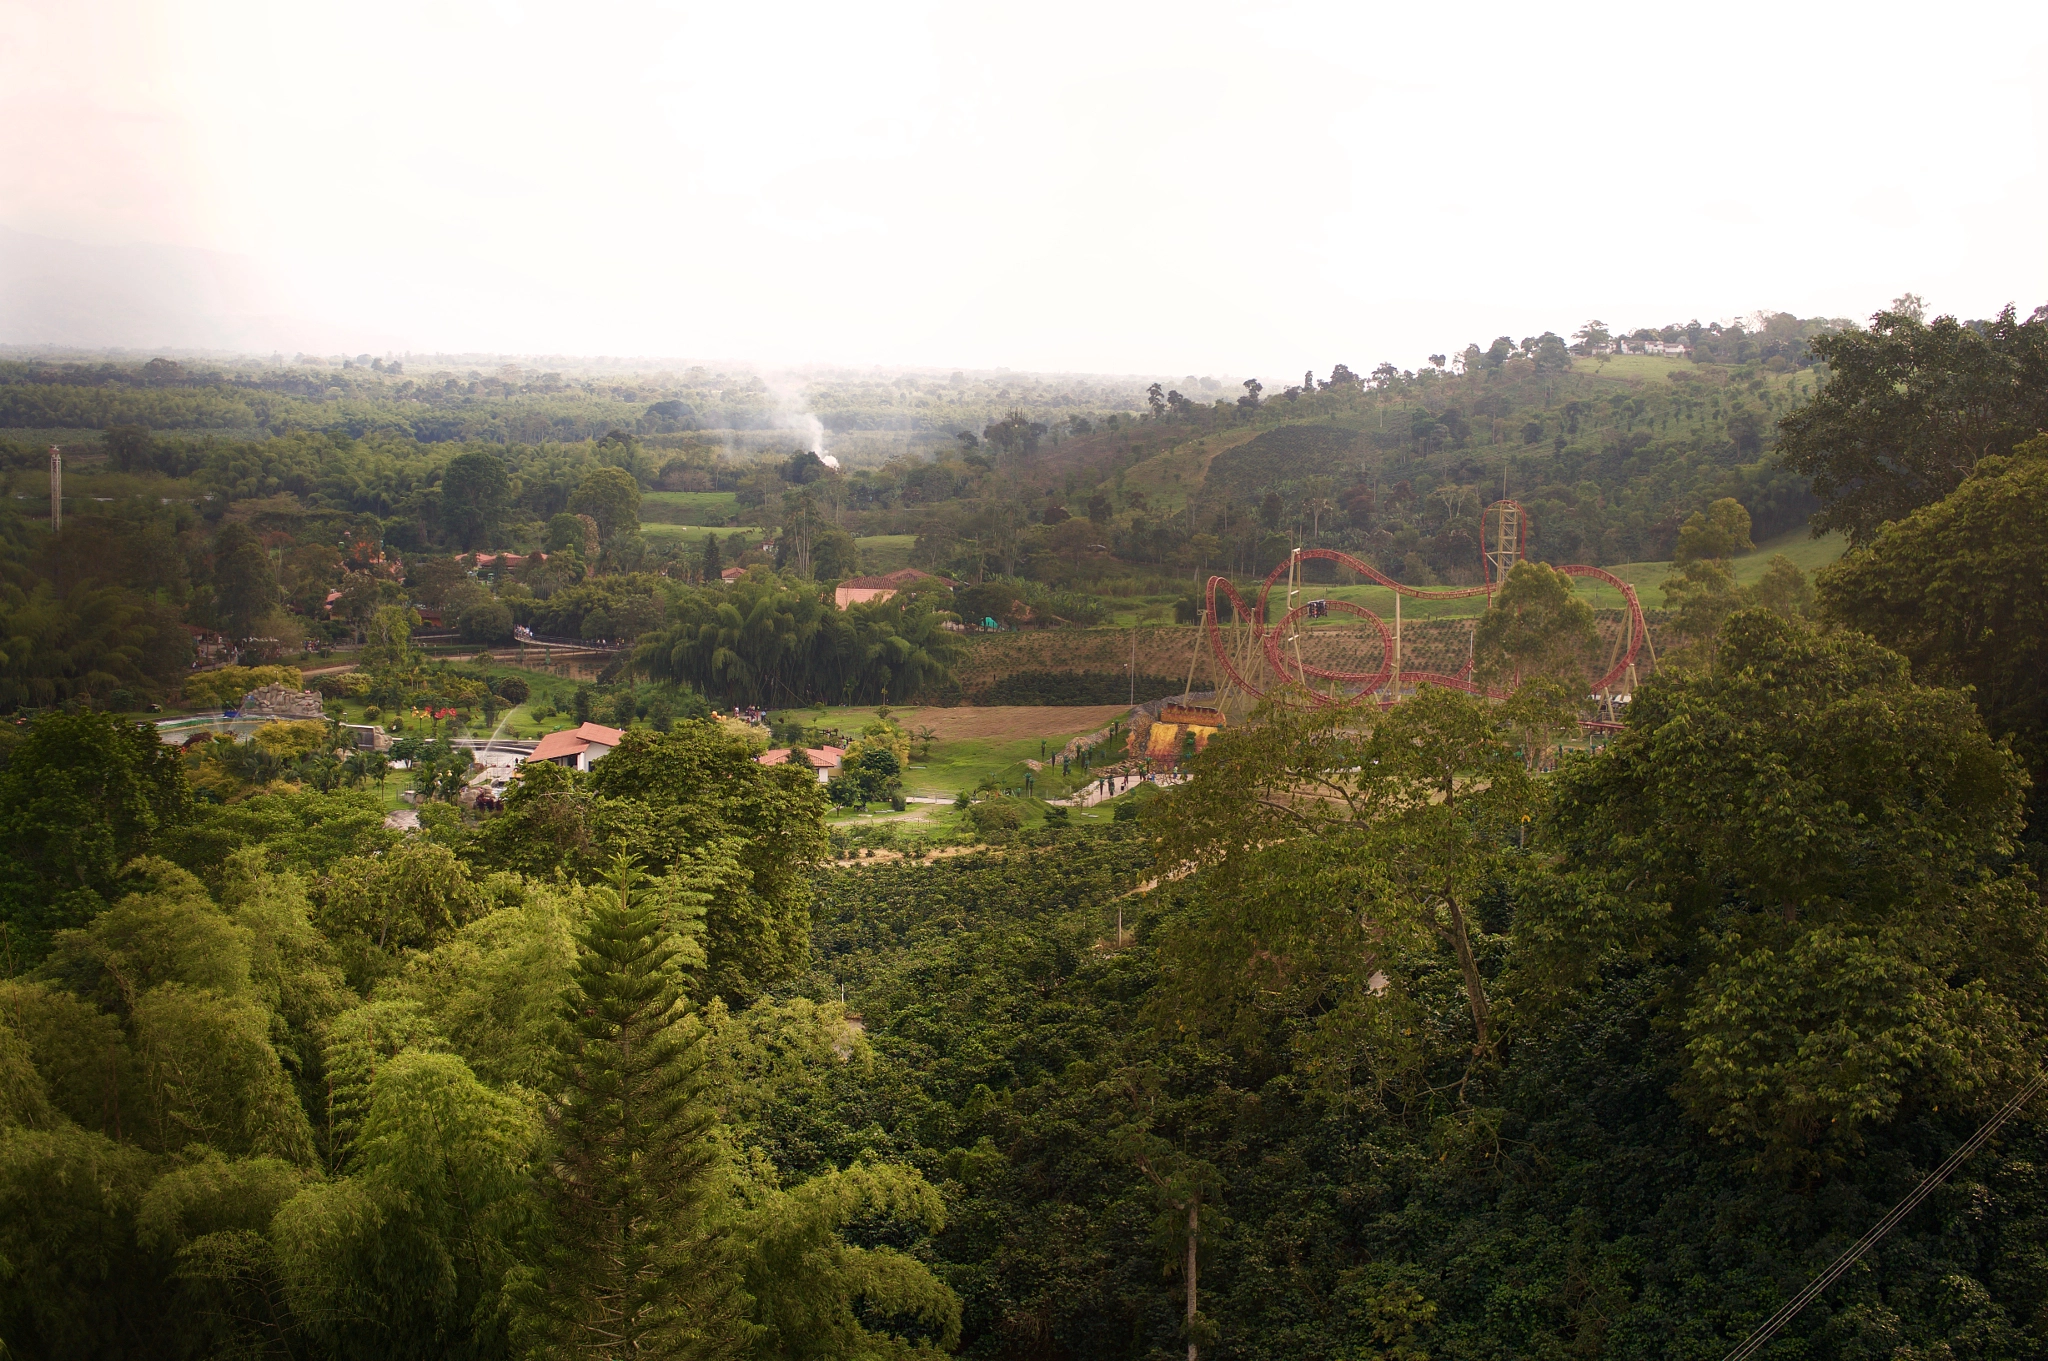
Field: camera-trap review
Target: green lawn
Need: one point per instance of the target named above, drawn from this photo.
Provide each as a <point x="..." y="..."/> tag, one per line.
<point x="954" y="764"/>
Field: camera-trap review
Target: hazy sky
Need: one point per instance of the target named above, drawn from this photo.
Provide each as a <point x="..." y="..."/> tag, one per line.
<point x="1241" y="188"/>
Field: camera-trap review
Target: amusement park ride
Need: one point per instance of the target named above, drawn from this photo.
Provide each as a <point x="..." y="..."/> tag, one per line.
<point x="1503" y="540"/>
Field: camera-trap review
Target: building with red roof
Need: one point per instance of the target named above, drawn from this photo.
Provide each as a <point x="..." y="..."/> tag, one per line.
<point x="825" y="760"/>
<point x="860" y="590"/>
<point x="577" y="748"/>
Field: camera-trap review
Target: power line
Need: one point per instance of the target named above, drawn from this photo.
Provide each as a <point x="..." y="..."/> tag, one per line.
<point x="1790" y="1309"/>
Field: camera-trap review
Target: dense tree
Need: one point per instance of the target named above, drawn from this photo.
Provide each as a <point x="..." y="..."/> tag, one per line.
<point x="85" y="793"/>
<point x="1721" y="531"/>
<point x="631" y="1264"/>
<point x="1818" y="847"/>
<point x="694" y="799"/>
<point x="1957" y="588"/>
<point x="1340" y="848"/>
<point x="1910" y="407"/>
<point x="475" y="490"/>
<point x="766" y="639"/>
<point x="1535" y="627"/>
<point x="86" y="643"/>
<point x="611" y="498"/>
<point x="244" y="583"/>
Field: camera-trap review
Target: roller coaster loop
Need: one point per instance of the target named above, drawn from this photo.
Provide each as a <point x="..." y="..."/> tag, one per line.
<point x="1270" y="638"/>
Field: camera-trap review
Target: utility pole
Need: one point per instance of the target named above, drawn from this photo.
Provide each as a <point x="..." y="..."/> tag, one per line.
<point x="56" y="489"/>
<point x="1397" y="647"/>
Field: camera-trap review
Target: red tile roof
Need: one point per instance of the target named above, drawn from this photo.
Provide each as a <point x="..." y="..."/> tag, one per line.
<point x="575" y="741"/>
<point x="817" y="756"/>
<point x="893" y="581"/>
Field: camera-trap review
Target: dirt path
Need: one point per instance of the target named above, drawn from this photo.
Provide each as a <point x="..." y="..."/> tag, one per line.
<point x="1007" y="722"/>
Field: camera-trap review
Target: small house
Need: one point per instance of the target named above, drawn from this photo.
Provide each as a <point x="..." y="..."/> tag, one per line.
<point x="861" y="590"/>
<point x="577" y="748"/>
<point x="825" y="760"/>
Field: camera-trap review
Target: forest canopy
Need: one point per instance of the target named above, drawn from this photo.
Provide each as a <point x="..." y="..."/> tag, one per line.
<point x="1457" y="1028"/>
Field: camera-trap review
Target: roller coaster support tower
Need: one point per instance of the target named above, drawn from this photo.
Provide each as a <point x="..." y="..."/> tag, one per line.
<point x="1504" y="542"/>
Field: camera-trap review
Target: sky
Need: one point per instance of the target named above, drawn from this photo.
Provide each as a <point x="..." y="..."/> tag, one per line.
<point x="1082" y="187"/>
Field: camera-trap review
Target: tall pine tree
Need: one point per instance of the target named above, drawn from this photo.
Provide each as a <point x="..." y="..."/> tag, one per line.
<point x="630" y="1267"/>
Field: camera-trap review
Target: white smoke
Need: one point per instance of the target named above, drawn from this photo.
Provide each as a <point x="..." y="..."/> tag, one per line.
<point x="794" y="413"/>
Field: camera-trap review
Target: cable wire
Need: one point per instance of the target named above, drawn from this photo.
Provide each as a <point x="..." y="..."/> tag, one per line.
<point x="1790" y="1309"/>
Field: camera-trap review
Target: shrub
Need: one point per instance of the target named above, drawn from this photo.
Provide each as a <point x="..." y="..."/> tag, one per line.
<point x="1127" y="811"/>
<point x="512" y="690"/>
<point x="289" y="741"/>
<point x="996" y="817"/>
<point x="225" y="687"/>
<point x="372" y="714"/>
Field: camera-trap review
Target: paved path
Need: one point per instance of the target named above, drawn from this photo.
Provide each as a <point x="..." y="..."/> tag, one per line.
<point x="1119" y="784"/>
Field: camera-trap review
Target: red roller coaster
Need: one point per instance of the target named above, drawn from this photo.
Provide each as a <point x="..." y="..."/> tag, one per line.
<point x="1504" y="537"/>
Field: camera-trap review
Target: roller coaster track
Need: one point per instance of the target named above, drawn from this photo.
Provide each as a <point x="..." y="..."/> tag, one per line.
<point x="1269" y="639"/>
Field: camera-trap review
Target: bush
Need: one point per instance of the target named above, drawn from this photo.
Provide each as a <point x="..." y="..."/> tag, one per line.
<point x="291" y="740"/>
<point x="512" y="690"/>
<point x="1127" y="811"/>
<point x="224" y="688"/>
<point x="372" y="714"/>
<point x="996" y="817"/>
<point x="1056" y="816"/>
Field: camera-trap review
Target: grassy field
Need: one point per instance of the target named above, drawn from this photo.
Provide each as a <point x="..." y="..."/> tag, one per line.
<point x="693" y="536"/>
<point x="880" y="553"/>
<point x="971" y="745"/>
<point x="1169" y="477"/>
<point x="1124" y="612"/>
<point x="1807" y="553"/>
<point x="692" y="507"/>
<point x="1626" y="366"/>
